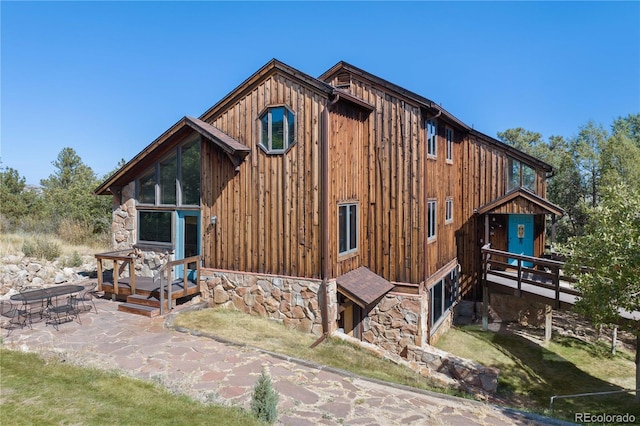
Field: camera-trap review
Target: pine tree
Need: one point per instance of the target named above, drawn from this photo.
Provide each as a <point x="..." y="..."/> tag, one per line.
<point x="264" y="402"/>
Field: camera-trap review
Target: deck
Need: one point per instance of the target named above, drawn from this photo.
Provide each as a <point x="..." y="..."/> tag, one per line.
<point x="539" y="280"/>
<point x="146" y="286"/>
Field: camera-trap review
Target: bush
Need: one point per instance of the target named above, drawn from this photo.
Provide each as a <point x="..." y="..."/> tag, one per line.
<point x="41" y="248"/>
<point x="75" y="232"/>
<point x="264" y="402"/>
<point x="74" y="261"/>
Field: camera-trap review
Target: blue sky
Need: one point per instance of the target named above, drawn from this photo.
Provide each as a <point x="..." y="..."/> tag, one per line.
<point x="107" y="78"/>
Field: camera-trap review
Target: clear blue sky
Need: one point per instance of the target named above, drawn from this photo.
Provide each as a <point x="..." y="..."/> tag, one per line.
<point x="107" y="78"/>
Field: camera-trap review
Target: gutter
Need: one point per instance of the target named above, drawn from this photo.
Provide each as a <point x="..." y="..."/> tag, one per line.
<point x="426" y="223"/>
<point x="324" y="220"/>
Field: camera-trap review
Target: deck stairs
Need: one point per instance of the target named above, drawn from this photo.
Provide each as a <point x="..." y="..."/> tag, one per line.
<point x="139" y="304"/>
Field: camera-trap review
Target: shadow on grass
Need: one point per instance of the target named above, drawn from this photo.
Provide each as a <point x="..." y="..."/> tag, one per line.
<point x="536" y="373"/>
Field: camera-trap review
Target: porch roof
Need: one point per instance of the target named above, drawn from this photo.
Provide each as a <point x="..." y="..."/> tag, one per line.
<point x="363" y="286"/>
<point x="521" y="201"/>
<point x="235" y="150"/>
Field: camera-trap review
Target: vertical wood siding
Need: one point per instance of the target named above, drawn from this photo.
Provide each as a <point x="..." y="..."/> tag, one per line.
<point x="268" y="212"/>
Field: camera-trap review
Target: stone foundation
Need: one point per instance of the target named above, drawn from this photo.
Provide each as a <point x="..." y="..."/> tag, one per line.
<point x="294" y="301"/>
<point x="123" y="226"/>
<point x="509" y="308"/>
<point x="396" y="322"/>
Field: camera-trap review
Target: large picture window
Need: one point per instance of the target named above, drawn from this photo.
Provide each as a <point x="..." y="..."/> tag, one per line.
<point x="347" y="228"/>
<point x="520" y="175"/>
<point x="277" y="129"/>
<point x="155" y="226"/>
<point x="174" y="180"/>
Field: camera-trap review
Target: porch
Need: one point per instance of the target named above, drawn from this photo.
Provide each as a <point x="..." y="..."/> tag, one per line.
<point x="149" y="296"/>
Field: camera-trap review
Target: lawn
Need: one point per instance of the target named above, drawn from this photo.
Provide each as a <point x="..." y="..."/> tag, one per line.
<point x="48" y="392"/>
<point x="531" y="373"/>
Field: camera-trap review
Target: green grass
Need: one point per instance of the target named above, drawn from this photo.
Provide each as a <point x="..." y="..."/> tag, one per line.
<point x="530" y="373"/>
<point x="273" y="336"/>
<point x="36" y="391"/>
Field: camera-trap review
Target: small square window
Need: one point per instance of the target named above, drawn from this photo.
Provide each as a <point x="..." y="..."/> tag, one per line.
<point x="448" y="211"/>
<point x="347" y="228"/>
<point x="277" y="128"/>
<point x="432" y="135"/>
<point x="155" y="226"/>
<point x="431" y="219"/>
<point x="449" y="137"/>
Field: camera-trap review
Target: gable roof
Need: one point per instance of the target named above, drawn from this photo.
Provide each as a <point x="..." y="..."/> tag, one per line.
<point x="234" y="149"/>
<point x="522" y="201"/>
<point x="363" y="286"/>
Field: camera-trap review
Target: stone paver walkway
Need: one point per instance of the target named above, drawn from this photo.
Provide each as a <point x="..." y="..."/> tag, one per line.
<point x="211" y="371"/>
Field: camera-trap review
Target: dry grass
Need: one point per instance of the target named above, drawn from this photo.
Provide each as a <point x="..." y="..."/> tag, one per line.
<point x="13" y="243"/>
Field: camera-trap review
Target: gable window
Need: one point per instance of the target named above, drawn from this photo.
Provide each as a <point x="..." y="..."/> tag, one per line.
<point x="277" y="128"/>
<point x="448" y="211"/>
<point x="431" y="220"/>
<point x="449" y="137"/>
<point x="520" y="175"/>
<point x="174" y="180"/>
<point x="155" y="226"/>
<point x="432" y="134"/>
<point x="347" y="228"/>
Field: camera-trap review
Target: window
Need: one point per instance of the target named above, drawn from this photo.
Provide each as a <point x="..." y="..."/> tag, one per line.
<point x="448" y="211"/>
<point x="432" y="134"/>
<point x="431" y="219"/>
<point x="277" y="129"/>
<point x="449" y="137"/>
<point x="174" y="180"/>
<point x="443" y="295"/>
<point x="347" y="228"/>
<point x="155" y="226"/>
<point x="520" y="175"/>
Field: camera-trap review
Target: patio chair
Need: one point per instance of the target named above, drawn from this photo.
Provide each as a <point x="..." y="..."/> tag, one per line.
<point x="16" y="315"/>
<point x="85" y="299"/>
<point x="61" y="311"/>
<point x="34" y="308"/>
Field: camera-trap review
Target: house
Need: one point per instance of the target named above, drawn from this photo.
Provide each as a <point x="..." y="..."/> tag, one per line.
<point x="343" y="201"/>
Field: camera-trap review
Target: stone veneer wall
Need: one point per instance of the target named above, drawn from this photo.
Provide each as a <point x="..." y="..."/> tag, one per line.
<point x="124" y="236"/>
<point x="397" y="321"/>
<point x="294" y="301"/>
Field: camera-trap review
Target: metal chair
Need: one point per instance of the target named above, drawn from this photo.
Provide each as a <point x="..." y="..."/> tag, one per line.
<point x="85" y="298"/>
<point x="63" y="312"/>
<point x="16" y="314"/>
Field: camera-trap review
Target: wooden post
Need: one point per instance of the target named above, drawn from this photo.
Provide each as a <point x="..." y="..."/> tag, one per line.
<point x="485" y="307"/>
<point x="99" y="274"/>
<point x="614" y="339"/>
<point x="548" y="320"/>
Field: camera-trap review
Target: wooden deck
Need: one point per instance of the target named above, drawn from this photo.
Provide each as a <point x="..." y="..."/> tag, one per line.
<point x="542" y="282"/>
<point x="145" y="286"/>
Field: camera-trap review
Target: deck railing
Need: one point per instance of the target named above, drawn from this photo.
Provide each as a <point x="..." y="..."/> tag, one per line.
<point x="127" y="257"/>
<point x="165" y="274"/>
<point x="540" y="272"/>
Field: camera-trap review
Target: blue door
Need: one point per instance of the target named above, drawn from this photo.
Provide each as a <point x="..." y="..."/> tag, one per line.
<point x="520" y="234"/>
<point x="187" y="239"/>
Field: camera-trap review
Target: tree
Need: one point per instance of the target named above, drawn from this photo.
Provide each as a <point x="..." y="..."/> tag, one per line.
<point x="69" y="193"/>
<point x="610" y="250"/>
<point x="586" y="148"/>
<point x="16" y="201"/>
<point x="620" y="160"/>
<point x="264" y="401"/>
<point x="628" y="126"/>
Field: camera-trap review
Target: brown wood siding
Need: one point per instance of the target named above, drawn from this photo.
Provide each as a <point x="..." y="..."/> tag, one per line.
<point x="268" y="212"/>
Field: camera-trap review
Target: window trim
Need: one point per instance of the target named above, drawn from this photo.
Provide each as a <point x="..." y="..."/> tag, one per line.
<point x="266" y="147"/>
<point x="432" y="138"/>
<point x="448" y="211"/>
<point x="162" y="244"/>
<point x="432" y="219"/>
<point x="449" y="138"/>
<point x="350" y="251"/>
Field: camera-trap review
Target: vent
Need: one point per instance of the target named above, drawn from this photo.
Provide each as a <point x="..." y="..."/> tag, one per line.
<point x="344" y="80"/>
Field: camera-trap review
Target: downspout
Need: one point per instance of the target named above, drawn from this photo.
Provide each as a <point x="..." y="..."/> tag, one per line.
<point x="324" y="220"/>
<point x="426" y="227"/>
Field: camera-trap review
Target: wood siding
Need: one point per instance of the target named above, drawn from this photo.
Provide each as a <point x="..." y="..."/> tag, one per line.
<point x="269" y="211"/>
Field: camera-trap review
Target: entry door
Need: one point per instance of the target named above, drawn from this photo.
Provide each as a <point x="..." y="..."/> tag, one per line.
<point x="187" y="239"/>
<point x="520" y="236"/>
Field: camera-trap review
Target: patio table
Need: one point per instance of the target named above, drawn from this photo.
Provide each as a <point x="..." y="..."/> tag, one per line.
<point x="30" y="298"/>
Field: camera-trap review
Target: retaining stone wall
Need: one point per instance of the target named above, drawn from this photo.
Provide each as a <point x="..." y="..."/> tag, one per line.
<point x="294" y="301"/>
<point x="508" y="308"/>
